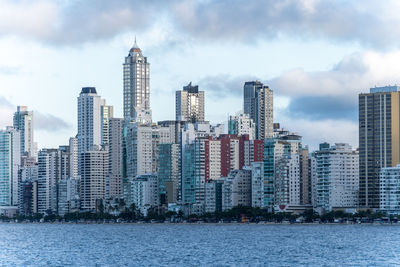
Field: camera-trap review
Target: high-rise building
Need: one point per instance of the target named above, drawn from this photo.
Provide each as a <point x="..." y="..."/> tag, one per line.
<point x="73" y="151"/>
<point x="89" y="120"/>
<point x="236" y="189"/>
<point x="48" y="171"/>
<point x="213" y="196"/>
<point x="27" y="179"/>
<point x="188" y="174"/>
<point x="115" y="155"/>
<point x="305" y="177"/>
<point x="389" y="188"/>
<point x="242" y="124"/>
<point x="138" y="145"/>
<point x="10" y="160"/>
<point x="67" y="196"/>
<point x="337" y="177"/>
<point x="24" y="123"/>
<point x="107" y="112"/>
<point x="190" y="104"/>
<point x="169" y="172"/>
<point x="145" y="191"/>
<point x="282" y="171"/>
<point x="257" y="184"/>
<point x="93" y="170"/>
<point x="258" y="103"/>
<point x="137" y="86"/>
<point x="379" y="145"/>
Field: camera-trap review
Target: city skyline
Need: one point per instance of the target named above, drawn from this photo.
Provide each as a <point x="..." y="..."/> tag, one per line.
<point x="294" y="64"/>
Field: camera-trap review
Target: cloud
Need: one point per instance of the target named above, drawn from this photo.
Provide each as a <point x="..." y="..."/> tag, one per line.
<point x="224" y="85"/>
<point x="9" y="70"/>
<point x="316" y="132"/>
<point x="74" y="22"/>
<point x="333" y="94"/>
<point x="322" y="107"/>
<point x="49" y="123"/>
<point x="6" y="112"/>
<point x="370" y="23"/>
<point x="44" y="122"/>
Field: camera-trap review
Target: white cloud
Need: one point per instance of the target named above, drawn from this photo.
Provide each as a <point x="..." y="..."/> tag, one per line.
<point x="28" y="18"/>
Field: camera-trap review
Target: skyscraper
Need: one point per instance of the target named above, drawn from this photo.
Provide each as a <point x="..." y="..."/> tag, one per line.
<point x="114" y="177"/>
<point x="379" y="144"/>
<point x="137" y="86"/>
<point x="337" y="177"/>
<point x="89" y="120"/>
<point x="47" y="180"/>
<point x="258" y="103"/>
<point x="94" y="168"/>
<point x="10" y="160"/>
<point x="107" y="112"/>
<point x="190" y="104"/>
<point x="73" y="150"/>
<point x="23" y="121"/>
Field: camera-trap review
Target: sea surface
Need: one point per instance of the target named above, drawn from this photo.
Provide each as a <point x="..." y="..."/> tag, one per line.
<point x="198" y="245"/>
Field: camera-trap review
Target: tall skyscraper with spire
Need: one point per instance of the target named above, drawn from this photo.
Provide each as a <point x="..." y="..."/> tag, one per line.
<point x="137" y="86"/>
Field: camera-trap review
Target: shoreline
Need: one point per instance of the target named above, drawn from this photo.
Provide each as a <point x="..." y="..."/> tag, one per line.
<point x="201" y="223"/>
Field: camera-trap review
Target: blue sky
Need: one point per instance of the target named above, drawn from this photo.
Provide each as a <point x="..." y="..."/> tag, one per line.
<point x="316" y="56"/>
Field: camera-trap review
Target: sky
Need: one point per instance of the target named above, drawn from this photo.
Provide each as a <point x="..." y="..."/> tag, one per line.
<point x="316" y="56"/>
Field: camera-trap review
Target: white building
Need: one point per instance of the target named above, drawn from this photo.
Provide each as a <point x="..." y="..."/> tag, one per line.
<point x="90" y="123"/>
<point x="337" y="177"/>
<point x="287" y="181"/>
<point x="47" y="180"/>
<point x="242" y="124"/>
<point x="214" y="159"/>
<point x="106" y="113"/>
<point x="139" y="151"/>
<point x="136" y="86"/>
<point x="93" y="169"/>
<point x="389" y="188"/>
<point x="236" y="189"/>
<point x="190" y="104"/>
<point x="145" y="191"/>
<point x="68" y="196"/>
<point x="10" y="159"/>
<point x="24" y="123"/>
<point x="73" y="150"/>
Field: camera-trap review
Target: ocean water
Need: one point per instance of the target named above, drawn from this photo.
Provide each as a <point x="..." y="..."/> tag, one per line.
<point x="198" y="245"/>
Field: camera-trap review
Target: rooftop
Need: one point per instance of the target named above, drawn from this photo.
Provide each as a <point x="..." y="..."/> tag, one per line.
<point x="88" y="90"/>
<point x="384" y="89"/>
<point x="191" y="88"/>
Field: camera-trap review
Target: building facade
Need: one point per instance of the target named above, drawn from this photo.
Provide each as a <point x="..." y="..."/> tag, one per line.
<point x="23" y="122"/>
<point x="258" y="103"/>
<point x="337" y="174"/>
<point x="10" y="160"/>
<point x="136" y="73"/>
<point x="190" y="104"/>
<point x="379" y="145"/>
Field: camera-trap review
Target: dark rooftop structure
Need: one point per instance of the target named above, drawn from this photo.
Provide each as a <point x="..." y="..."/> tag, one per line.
<point x="191" y="88"/>
<point x="88" y="90"/>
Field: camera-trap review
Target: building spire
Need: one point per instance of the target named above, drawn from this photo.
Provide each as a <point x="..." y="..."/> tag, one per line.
<point x="135" y="44"/>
